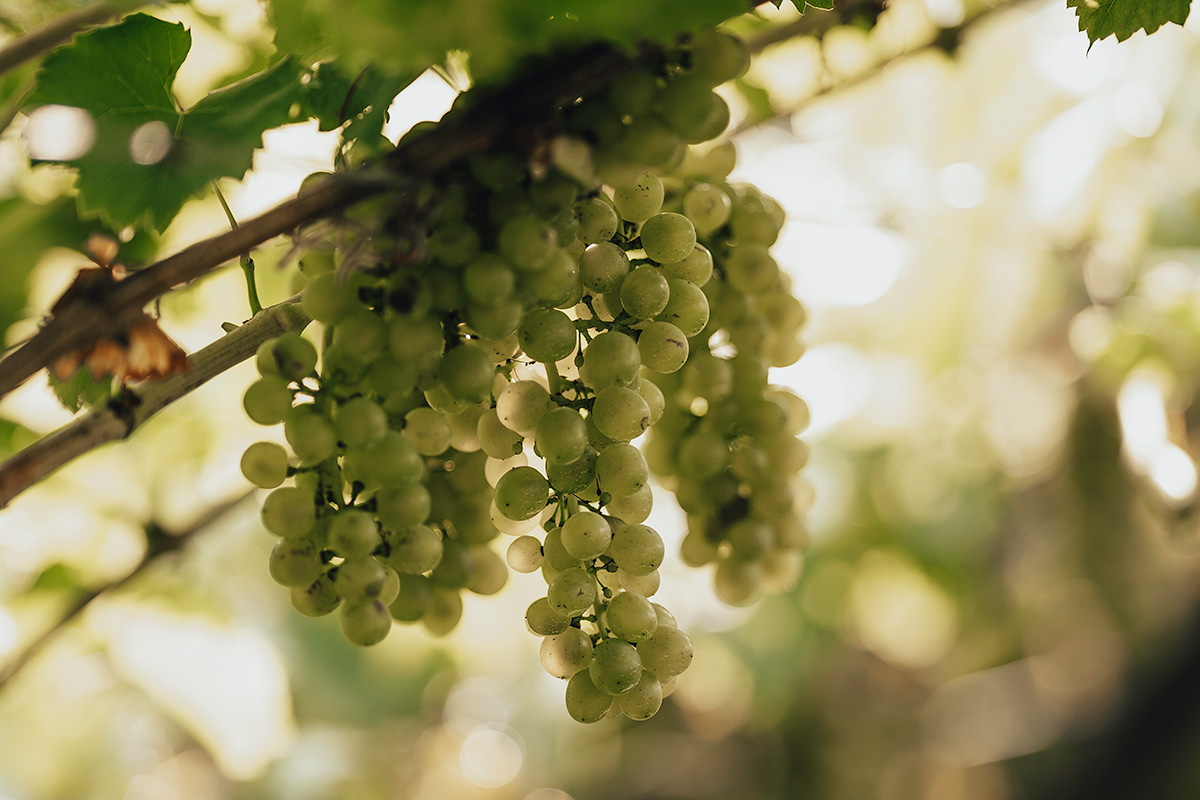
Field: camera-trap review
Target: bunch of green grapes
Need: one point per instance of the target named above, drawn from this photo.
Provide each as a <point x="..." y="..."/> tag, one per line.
<point x="490" y="373"/>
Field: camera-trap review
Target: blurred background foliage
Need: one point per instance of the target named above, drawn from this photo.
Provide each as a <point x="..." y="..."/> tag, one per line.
<point x="997" y="234"/>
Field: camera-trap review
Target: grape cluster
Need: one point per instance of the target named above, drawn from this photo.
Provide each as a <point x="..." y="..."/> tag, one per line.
<point x="487" y="371"/>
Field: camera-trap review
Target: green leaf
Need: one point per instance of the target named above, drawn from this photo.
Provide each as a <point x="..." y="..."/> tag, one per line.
<point x="822" y="5"/>
<point x="148" y="157"/>
<point x="1124" y="18"/>
<point x="81" y="390"/>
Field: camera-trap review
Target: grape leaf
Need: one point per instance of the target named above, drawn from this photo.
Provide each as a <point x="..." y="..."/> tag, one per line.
<point x="147" y="156"/>
<point x="1123" y="18"/>
<point x="821" y="5"/>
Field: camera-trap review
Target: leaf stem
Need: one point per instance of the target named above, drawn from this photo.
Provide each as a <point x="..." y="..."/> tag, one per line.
<point x="246" y="261"/>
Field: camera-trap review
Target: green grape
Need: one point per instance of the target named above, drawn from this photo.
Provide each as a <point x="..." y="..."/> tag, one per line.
<point x="616" y="666"/>
<point x="553" y="195"/>
<point x="544" y="620"/>
<point x="388" y="377"/>
<point x="264" y="464"/>
<point x="295" y="562"/>
<point x="359" y="579"/>
<point x="547" y="335"/>
<point x="637" y="549"/>
<point x="317" y="599"/>
<point x="566" y="653"/>
<point x="428" y="431"/>
<point x="612" y="359"/>
<point x="796" y="412"/>
<point x="365" y="623"/>
<point x="668" y="652"/>
<point x="359" y="422"/>
<point x="738" y="583"/>
<point x="687" y="307"/>
<point x="621" y="470"/>
<point x="310" y="434"/>
<point x="415" y="340"/>
<point x="663" y="347"/>
<point x="561" y="436"/>
<point x="572" y="592"/>
<point x="781" y="311"/>
<point x="578" y="477"/>
<point x="664" y="617"/>
<point x="702" y="455"/>
<point x="521" y="406"/>
<point x="708" y="376"/>
<point x="718" y="57"/>
<point x="402" y="505"/>
<point x="697" y="549"/>
<point x="391" y="586"/>
<point x="644" y="700"/>
<point x="496" y="440"/>
<point x="750" y="538"/>
<point x="585" y="702"/>
<point x="289" y="512"/>
<point x="603" y="266"/>
<point x="696" y="266"/>
<point x="488" y="280"/>
<point x="525" y="554"/>
<point x="620" y="414"/>
<point x="392" y="459"/>
<point x="294" y="356"/>
<point x="647" y="141"/>
<point x="707" y="207"/>
<point x="640" y="200"/>
<point x="454" y="243"/>
<point x="631" y="617"/>
<point x="456" y="566"/>
<point x="750" y="269"/>
<point x="317" y="262"/>
<point x="644" y="293"/>
<point x="654" y="399"/>
<point x="668" y="237"/>
<point x="522" y="493"/>
<point x="633" y="508"/>
<point x="633" y="94"/>
<point x="752" y="223"/>
<point x="556" y="555"/>
<point x="413" y="598"/>
<point x="495" y="322"/>
<point x="781" y="570"/>
<point x="464" y="427"/>
<point x="526" y="242"/>
<point x="444" y="611"/>
<point x="361" y="335"/>
<point x="597" y="220"/>
<point x="585" y="535"/>
<point x="328" y="299"/>
<point x="466" y="371"/>
<point x="684" y="104"/>
<point x="785" y="454"/>
<point x="716" y="120"/>
<point x="556" y="284"/>
<point x="352" y="534"/>
<point x="268" y="400"/>
<point x="414" y="550"/>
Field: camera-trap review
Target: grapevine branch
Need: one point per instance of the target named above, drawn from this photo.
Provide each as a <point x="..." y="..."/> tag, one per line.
<point x="158" y="543"/>
<point x="123" y="416"/>
<point x="57" y="31"/>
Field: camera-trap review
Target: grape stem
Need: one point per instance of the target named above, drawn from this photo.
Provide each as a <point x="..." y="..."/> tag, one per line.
<point x="555" y="380"/>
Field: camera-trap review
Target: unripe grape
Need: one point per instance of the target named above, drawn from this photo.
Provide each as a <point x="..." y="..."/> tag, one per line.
<point x="359" y="422"/>
<point x="444" y="611"/>
<point x="597" y="220"/>
<point x="289" y="512"/>
<point x="402" y="505"/>
<point x="668" y="237"/>
<point x="566" y="653"/>
<point x="603" y="266"/>
<point x="572" y="592"/>
<point x="615" y="667"/>
<point x="668" y="652"/>
<point x="310" y="434"/>
<point x="663" y="347"/>
<point x="644" y="700"/>
<point x="612" y="359"/>
<point x="268" y="400"/>
<point x="521" y="406"/>
<point x="640" y="200"/>
<point x="352" y="534"/>
<point x="631" y="617"/>
<point x="585" y="702"/>
<point x="637" y="549"/>
<point x="561" y="436"/>
<point x="644" y="293"/>
<point x="265" y="464"/>
<point x="413" y="598"/>
<point x="585" y="535"/>
<point x="317" y="599"/>
<point x="522" y="493"/>
<point x="428" y="431"/>
<point x="414" y="550"/>
<point x="525" y="554"/>
<point x="295" y="562"/>
<point x="544" y="620"/>
<point x="547" y="335"/>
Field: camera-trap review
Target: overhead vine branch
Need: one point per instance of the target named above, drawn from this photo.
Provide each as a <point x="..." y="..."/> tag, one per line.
<point x="59" y="30"/>
<point x="123" y="416"/>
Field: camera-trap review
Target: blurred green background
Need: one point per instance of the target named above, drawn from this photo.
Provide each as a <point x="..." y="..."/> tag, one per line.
<point x="998" y="240"/>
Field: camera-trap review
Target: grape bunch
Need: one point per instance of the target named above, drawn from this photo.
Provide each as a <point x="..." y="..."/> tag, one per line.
<point x="487" y="369"/>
